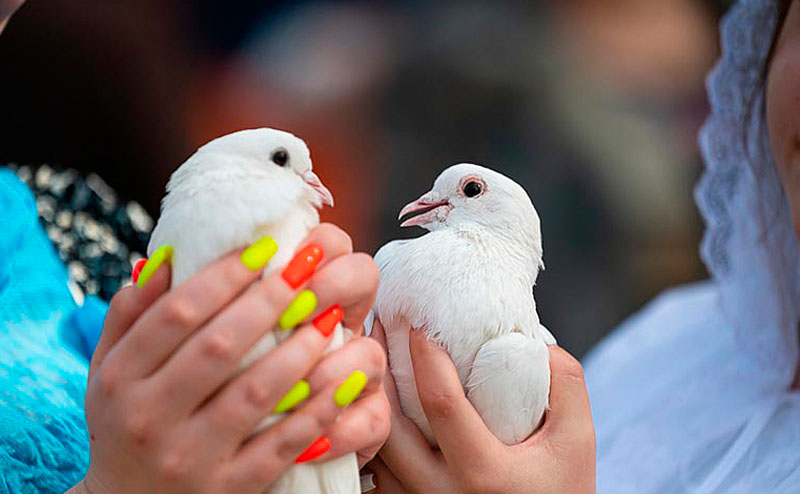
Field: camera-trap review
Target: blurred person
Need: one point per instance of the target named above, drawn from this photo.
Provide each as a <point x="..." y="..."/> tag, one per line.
<point x="698" y="392"/>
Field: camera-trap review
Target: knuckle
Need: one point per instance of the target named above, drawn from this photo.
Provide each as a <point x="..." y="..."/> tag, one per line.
<point x="319" y="422"/>
<point x="107" y="380"/>
<point x="218" y="347"/>
<point x="574" y="370"/>
<point x="439" y="404"/>
<point x="172" y="465"/>
<point x="180" y="312"/>
<point x="257" y="393"/>
<point x="335" y="238"/>
<point x="380" y="422"/>
<point x="368" y="270"/>
<point x="376" y="357"/>
<point x="137" y="428"/>
<point x="565" y="364"/>
<point x="338" y="280"/>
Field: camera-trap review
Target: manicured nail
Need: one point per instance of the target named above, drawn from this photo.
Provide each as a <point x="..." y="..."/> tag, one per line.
<point x="317" y="449"/>
<point x="301" y="307"/>
<point x="137" y="269"/>
<point x="327" y="321"/>
<point x="160" y="256"/>
<point x="294" y="397"/>
<point x="349" y="390"/>
<point x="258" y="255"/>
<point x="302" y="265"/>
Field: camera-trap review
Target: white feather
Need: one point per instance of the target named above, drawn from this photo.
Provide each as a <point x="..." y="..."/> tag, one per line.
<point x="226" y="196"/>
<point x="469" y="284"/>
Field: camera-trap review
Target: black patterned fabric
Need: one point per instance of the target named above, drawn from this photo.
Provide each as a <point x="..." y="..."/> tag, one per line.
<point x="97" y="235"/>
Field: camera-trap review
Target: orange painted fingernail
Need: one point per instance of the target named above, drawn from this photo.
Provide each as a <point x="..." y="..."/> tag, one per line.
<point x="317" y="449"/>
<point x="302" y="265"/>
<point x="327" y="321"/>
<point x="137" y="269"/>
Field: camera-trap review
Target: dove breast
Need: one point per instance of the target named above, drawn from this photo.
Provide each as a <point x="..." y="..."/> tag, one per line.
<point x="463" y="288"/>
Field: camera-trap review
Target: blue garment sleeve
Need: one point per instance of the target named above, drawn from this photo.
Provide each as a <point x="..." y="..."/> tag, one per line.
<point x="46" y="342"/>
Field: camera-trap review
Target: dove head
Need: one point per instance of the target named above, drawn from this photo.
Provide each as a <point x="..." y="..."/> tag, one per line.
<point x="466" y="196"/>
<point x="262" y="158"/>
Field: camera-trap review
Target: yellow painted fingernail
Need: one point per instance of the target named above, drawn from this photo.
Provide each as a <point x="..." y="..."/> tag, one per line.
<point x="301" y="307"/>
<point x="294" y="397"/>
<point x="160" y="256"/>
<point x="258" y="255"/>
<point x="350" y="388"/>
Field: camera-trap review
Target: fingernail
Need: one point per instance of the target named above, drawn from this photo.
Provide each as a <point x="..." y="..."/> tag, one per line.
<point x="160" y="256"/>
<point x="317" y="449"/>
<point x="137" y="269"/>
<point x="258" y="255"/>
<point x="294" y="397"/>
<point x="327" y="321"/>
<point x="349" y="390"/>
<point x="302" y="265"/>
<point x="367" y="481"/>
<point x="301" y="307"/>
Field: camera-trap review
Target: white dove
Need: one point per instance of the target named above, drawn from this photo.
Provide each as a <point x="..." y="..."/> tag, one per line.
<point x="230" y="193"/>
<point x="469" y="285"/>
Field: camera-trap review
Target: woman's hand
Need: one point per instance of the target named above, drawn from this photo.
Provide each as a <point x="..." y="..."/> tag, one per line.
<point x="163" y="415"/>
<point x="558" y="458"/>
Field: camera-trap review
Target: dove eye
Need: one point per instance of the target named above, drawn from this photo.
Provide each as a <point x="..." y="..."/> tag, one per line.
<point x="280" y="157"/>
<point x="472" y="188"/>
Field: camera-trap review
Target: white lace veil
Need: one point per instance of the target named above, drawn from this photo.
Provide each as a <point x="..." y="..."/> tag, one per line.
<point x="750" y="246"/>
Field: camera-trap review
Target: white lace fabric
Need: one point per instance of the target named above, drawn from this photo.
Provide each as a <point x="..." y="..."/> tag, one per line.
<point x="750" y="246"/>
<point x="693" y="393"/>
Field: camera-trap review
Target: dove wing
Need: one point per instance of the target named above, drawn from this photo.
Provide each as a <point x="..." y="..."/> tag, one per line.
<point x="509" y="385"/>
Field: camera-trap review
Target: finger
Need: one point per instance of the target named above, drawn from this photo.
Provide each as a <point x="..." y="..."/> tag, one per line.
<point x="379" y="335"/>
<point x="406" y="450"/>
<point x="233" y="413"/>
<point x="360" y="354"/>
<point x="570" y="412"/>
<point x="465" y="441"/>
<point x="362" y="428"/>
<point x="207" y="359"/>
<point x="384" y="479"/>
<point x="350" y="281"/>
<point x="160" y="330"/>
<point x="271" y="451"/>
<point x="125" y="307"/>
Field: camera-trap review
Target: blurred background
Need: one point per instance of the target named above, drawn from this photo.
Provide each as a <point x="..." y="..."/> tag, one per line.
<point x="592" y="106"/>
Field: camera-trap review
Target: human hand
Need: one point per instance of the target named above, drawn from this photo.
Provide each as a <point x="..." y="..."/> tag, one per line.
<point x="164" y="414"/>
<point x="557" y="458"/>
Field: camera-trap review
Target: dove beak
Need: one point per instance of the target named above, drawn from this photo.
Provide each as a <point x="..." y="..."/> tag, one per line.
<point x="431" y="209"/>
<point x="315" y="183"/>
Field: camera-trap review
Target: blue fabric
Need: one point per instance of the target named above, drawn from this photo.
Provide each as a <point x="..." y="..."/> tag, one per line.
<point x="45" y="345"/>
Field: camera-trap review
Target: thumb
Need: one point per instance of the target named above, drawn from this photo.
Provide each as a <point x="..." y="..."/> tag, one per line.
<point x="570" y="412"/>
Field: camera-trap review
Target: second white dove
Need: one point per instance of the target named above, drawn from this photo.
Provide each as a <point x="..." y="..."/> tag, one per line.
<point x="468" y="284"/>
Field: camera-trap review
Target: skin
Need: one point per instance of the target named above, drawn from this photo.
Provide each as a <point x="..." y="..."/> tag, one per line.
<point x="161" y="412"/>
<point x="8" y="7"/>
<point x="559" y="457"/>
<point x="782" y="110"/>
